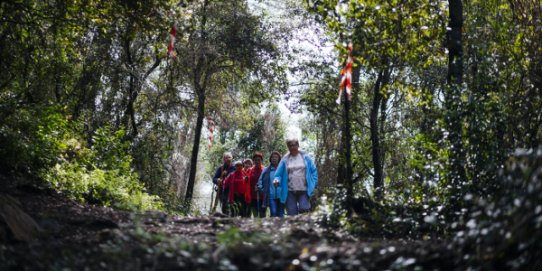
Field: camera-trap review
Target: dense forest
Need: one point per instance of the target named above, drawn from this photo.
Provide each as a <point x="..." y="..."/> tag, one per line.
<point x="115" y="114"/>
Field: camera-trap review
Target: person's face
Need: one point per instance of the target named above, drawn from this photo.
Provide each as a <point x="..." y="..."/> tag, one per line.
<point x="274" y="159"/>
<point x="293" y="147"/>
<point x="257" y="160"/>
<point x="239" y="167"/>
<point x="248" y="165"/>
<point x="227" y="159"/>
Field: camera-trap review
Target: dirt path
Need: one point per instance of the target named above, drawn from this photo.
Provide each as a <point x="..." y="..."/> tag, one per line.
<point x="78" y="236"/>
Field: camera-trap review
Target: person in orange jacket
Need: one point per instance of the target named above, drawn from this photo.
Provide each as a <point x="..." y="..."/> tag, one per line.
<point x="239" y="191"/>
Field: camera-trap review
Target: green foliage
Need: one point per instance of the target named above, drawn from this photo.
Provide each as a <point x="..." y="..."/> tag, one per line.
<point x="504" y="227"/>
<point x="234" y="236"/>
<point x="490" y="112"/>
<point x="262" y="131"/>
<point x="32" y="139"/>
<point x="267" y="134"/>
<point x="101" y="174"/>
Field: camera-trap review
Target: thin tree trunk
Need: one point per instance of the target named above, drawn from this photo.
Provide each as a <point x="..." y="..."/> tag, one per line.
<point x="426" y="130"/>
<point x="382" y="126"/>
<point x="455" y="45"/>
<point x="378" y="181"/>
<point x="347" y="152"/>
<point x="453" y="97"/>
<point x="201" y="78"/>
<point x="377" y="130"/>
<point x="195" y="148"/>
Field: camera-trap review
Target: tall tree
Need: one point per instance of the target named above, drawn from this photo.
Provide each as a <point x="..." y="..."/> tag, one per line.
<point x="225" y="39"/>
<point x="453" y="94"/>
<point x="377" y="120"/>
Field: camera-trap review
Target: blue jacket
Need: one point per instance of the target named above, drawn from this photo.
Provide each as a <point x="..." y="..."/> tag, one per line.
<point x="265" y="184"/>
<point x="282" y="176"/>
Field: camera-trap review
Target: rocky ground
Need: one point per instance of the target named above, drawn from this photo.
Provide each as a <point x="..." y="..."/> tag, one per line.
<point x="77" y="236"/>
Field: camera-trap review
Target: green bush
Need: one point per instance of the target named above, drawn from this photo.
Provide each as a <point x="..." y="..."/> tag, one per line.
<point x="42" y="142"/>
<point x="101" y="174"/>
<point x="31" y="139"/>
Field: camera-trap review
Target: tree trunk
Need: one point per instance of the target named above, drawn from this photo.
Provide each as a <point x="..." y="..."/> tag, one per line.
<point x="377" y="151"/>
<point x="453" y="98"/>
<point x="373" y="121"/>
<point x="347" y="137"/>
<point x="134" y="87"/>
<point x="195" y="148"/>
<point x="201" y="78"/>
<point x="455" y="45"/>
<point x="422" y="175"/>
<point x="130" y="111"/>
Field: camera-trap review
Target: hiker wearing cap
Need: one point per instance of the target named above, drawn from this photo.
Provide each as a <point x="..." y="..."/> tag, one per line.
<point x="270" y="193"/>
<point x="239" y="191"/>
<point x="253" y="176"/>
<point x="218" y="180"/>
<point x="297" y="178"/>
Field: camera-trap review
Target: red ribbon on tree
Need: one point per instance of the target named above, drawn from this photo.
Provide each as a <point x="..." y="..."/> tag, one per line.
<point x="211" y="126"/>
<point x="173" y="35"/>
<point x="346" y="80"/>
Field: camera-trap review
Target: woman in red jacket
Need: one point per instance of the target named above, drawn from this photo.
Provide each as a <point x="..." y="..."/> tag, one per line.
<point x="255" y="195"/>
<point x="239" y="191"/>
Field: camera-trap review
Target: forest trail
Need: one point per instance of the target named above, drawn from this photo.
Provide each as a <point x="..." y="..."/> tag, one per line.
<point x="78" y="236"/>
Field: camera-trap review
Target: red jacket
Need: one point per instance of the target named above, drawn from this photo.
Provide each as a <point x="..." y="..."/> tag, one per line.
<point x="253" y="176"/>
<point x="237" y="184"/>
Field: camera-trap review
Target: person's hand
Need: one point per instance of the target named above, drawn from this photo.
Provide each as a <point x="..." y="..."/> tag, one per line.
<point x="256" y="188"/>
<point x="275" y="183"/>
<point x="219" y="182"/>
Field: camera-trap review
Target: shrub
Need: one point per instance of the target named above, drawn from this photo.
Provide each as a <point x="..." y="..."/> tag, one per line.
<point x="101" y="174"/>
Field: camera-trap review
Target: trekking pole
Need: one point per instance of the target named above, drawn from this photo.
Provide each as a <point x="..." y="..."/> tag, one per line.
<point x="212" y="198"/>
<point x="216" y="199"/>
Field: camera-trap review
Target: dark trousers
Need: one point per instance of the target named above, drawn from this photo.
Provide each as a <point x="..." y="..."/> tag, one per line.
<point x="224" y="201"/>
<point x="256" y="209"/>
<point x="239" y="207"/>
<point x="297" y="202"/>
<point x="276" y="208"/>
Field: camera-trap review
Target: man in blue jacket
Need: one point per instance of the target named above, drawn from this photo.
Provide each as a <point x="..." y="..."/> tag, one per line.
<point x="297" y="178"/>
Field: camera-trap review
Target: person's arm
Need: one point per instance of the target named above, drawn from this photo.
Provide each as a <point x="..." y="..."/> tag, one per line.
<point x="314" y="173"/>
<point x="260" y="180"/>
<point x="312" y="176"/>
<point x="278" y="173"/>
<point x="218" y="173"/>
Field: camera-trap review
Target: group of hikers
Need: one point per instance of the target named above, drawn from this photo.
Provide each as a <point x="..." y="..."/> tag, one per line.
<point x="247" y="188"/>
